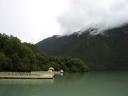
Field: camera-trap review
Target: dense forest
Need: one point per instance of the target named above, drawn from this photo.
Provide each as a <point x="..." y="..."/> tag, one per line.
<point x="21" y="57"/>
<point x="105" y="51"/>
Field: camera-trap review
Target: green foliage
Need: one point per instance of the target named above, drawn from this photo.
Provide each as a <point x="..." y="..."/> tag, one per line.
<point x="76" y="65"/>
<point x="107" y="51"/>
<point x="17" y="56"/>
<point x="68" y="64"/>
<point x="4" y="62"/>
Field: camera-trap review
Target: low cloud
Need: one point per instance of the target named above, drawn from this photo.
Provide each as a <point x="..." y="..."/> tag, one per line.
<point x="89" y="13"/>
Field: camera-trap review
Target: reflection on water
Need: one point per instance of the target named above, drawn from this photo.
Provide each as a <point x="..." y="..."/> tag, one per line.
<point x="26" y="81"/>
<point x="87" y="84"/>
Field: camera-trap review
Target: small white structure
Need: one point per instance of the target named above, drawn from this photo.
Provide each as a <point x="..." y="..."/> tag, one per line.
<point x="61" y="71"/>
<point x="51" y="69"/>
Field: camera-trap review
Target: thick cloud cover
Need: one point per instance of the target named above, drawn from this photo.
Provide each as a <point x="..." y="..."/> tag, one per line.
<point x="31" y="20"/>
<point x="34" y="20"/>
<point x="99" y="13"/>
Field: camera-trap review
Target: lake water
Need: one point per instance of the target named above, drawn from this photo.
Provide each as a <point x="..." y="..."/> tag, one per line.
<point x="86" y="84"/>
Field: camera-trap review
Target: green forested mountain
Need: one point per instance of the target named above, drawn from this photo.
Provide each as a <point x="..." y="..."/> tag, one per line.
<point x="106" y="51"/>
<point x="17" y="56"/>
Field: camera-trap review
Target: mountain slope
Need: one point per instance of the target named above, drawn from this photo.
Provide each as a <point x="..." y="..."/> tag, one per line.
<point x="107" y="51"/>
<point x="25" y="57"/>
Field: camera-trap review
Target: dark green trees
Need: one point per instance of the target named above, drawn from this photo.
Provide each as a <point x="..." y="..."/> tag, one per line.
<point x="77" y="65"/>
<point x="106" y="51"/>
<point x="68" y="64"/>
<point x="17" y="56"/>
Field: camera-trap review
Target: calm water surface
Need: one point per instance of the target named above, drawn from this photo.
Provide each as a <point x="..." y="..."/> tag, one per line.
<point x="86" y="84"/>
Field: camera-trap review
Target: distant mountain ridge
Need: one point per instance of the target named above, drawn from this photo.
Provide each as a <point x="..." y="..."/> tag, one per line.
<point x="107" y="51"/>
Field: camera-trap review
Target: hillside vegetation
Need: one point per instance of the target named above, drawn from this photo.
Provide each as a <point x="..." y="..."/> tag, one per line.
<point x="105" y="51"/>
<point x="17" y="56"/>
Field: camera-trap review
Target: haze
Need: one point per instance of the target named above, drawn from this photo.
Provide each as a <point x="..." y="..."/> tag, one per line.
<point x="34" y="20"/>
<point x="31" y="20"/>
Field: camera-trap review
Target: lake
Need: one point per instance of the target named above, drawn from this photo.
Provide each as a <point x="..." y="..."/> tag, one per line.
<point x="75" y="84"/>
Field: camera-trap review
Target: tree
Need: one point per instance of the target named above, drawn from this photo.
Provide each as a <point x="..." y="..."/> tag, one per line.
<point x="77" y="65"/>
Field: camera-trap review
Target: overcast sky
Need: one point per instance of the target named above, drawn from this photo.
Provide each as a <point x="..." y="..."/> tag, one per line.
<point x="34" y="20"/>
<point x="31" y="20"/>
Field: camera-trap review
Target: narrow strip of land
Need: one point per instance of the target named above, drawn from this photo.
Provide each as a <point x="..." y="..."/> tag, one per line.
<point x="27" y="75"/>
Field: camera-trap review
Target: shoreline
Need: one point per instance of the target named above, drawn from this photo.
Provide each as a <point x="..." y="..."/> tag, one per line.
<point x="27" y="75"/>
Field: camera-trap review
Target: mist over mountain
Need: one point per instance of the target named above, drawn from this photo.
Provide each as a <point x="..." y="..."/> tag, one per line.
<point x="102" y="14"/>
<point x="105" y="51"/>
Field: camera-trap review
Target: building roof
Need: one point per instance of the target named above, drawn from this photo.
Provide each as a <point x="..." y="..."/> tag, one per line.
<point x="51" y="68"/>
